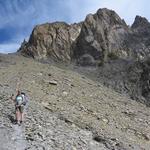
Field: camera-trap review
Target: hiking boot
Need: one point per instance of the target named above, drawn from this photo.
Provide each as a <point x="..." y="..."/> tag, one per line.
<point x="15" y="122"/>
<point x="19" y="123"/>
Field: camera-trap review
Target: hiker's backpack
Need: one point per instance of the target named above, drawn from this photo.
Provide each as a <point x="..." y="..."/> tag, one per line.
<point x="25" y="99"/>
<point x="19" y="100"/>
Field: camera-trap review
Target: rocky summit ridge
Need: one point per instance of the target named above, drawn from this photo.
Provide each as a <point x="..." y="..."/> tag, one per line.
<point x="103" y="39"/>
<point x="99" y="36"/>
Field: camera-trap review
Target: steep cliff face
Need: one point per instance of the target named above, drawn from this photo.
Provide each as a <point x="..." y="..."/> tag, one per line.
<point x="51" y="41"/>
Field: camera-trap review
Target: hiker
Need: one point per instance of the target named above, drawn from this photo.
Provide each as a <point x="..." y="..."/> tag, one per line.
<point x="20" y="102"/>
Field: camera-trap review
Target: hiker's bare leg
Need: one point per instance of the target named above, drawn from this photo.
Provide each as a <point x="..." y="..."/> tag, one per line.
<point x="22" y="113"/>
<point x="22" y="117"/>
<point x="17" y="115"/>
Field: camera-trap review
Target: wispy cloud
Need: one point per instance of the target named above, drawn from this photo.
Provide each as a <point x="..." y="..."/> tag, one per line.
<point x="18" y="17"/>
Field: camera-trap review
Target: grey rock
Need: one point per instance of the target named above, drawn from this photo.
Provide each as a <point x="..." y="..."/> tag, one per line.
<point x="53" y="82"/>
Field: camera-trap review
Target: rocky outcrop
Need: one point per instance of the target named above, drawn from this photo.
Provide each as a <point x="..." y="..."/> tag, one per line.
<point x="105" y="34"/>
<point x="51" y="40"/>
<point x="102" y="33"/>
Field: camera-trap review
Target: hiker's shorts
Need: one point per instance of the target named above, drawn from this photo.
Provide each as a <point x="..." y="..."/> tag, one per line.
<point x="20" y="108"/>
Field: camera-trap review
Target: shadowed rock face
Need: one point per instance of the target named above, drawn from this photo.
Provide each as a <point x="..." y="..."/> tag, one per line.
<point x="145" y="81"/>
<point x="127" y="77"/>
<point x="51" y="41"/>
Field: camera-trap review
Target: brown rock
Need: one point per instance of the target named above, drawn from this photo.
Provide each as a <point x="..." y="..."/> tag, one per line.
<point x="51" y="40"/>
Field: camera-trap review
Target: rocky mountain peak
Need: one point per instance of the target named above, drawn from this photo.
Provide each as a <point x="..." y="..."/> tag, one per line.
<point x="101" y="33"/>
<point x="140" y="22"/>
<point x="110" y="16"/>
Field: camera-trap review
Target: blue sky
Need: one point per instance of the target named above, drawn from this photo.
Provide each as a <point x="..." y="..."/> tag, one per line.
<point x="18" y="17"/>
